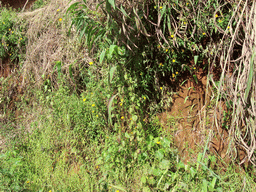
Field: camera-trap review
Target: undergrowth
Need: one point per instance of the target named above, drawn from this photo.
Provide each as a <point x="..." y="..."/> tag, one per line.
<point x="91" y="124"/>
<point x="69" y="146"/>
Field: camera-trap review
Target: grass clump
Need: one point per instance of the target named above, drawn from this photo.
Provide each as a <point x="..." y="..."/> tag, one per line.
<point x="39" y="4"/>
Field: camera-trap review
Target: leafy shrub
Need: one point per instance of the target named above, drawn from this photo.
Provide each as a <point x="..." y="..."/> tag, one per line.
<point x="11" y="35"/>
<point x="12" y="171"/>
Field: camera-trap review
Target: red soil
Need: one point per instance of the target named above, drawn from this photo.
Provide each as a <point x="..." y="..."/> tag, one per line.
<point x="17" y="3"/>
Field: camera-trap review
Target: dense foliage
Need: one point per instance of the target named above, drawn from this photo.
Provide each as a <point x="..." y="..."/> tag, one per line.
<point x="92" y="124"/>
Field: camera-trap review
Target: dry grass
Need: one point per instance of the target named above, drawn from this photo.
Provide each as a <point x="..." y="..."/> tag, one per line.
<point x="49" y="42"/>
<point x="238" y="83"/>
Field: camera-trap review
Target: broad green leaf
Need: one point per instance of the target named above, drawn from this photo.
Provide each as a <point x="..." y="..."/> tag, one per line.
<point x="157" y="172"/>
<point x="143" y="179"/>
<point x="164" y="164"/>
<point x="102" y="56"/>
<point x="181" y="165"/>
<point x="73" y="6"/>
<point x="91" y="38"/>
<point x="166" y="143"/>
<point x="112" y="49"/>
<point x="97" y="36"/>
<point x="164" y="26"/>
<point x="112" y="3"/>
<point x="90" y="34"/>
<point x="159" y="154"/>
<point x="123" y="11"/>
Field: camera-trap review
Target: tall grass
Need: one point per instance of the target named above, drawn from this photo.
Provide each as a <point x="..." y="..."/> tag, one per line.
<point x="237" y="83"/>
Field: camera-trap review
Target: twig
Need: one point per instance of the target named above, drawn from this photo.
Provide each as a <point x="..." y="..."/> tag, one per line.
<point x="24" y="6"/>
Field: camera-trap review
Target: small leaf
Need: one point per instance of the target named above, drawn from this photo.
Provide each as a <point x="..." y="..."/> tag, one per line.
<point x="183" y="82"/>
<point x="164" y="164"/>
<point x="134" y="117"/>
<point x="112" y="49"/>
<point x="143" y="179"/>
<point x="127" y="135"/>
<point x="111" y="73"/>
<point x="195" y="59"/>
<point x="213" y="183"/>
<point x="99" y="4"/>
<point x="166" y="143"/>
<point x="151" y="181"/>
<point x="146" y="189"/>
<point x="181" y="165"/>
<point x="159" y="154"/>
<point x="157" y="172"/>
<point x="186" y="99"/>
<point x="195" y="78"/>
<point x="192" y="172"/>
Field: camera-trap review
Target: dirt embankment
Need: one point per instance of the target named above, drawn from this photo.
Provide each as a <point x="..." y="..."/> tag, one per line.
<point x="17" y="3"/>
<point x="190" y="120"/>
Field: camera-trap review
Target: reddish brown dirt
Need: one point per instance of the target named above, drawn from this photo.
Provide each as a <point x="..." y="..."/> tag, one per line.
<point x="14" y="88"/>
<point x="187" y="103"/>
<point x="17" y="3"/>
<point x="5" y="67"/>
<point x="183" y="122"/>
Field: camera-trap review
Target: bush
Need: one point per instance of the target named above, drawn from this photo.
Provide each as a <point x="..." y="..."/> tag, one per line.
<point x="12" y="171"/>
<point x="11" y="35"/>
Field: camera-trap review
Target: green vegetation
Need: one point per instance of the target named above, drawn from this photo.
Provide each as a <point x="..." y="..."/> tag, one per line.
<point x="38" y="4"/>
<point x="94" y="79"/>
<point x="11" y="35"/>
